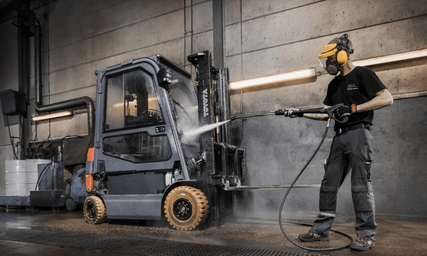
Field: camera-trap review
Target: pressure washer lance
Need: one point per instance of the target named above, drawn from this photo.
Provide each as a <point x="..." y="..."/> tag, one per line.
<point x="332" y="113"/>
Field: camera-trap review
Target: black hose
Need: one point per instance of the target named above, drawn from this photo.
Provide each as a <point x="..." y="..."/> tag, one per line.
<point x="10" y="137"/>
<point x="42" y="173"/>
<point x="289" y="190"/>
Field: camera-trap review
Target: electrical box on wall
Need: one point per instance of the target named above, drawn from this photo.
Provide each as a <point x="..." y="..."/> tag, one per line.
<point x="13" y="102"/>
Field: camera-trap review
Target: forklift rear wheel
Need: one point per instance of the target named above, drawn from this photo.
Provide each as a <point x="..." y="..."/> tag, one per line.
<point x="70" y="204"/>
<point x="94" y="210"/>
<point x="186" y="208"/>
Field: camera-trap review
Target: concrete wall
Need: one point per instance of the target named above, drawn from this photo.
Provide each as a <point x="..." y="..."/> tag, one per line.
<point x="262" y="38"/>
<point x="265" y="38"/>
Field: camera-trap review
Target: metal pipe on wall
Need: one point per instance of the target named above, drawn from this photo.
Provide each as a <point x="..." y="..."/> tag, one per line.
<point x="71" y="104"/>
<point x="38" y="73"/>
<point x="23" y="73"/>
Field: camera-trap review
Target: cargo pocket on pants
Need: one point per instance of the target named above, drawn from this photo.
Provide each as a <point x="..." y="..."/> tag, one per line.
<point x="368" y="169"/>
<point x="368" y="154"/>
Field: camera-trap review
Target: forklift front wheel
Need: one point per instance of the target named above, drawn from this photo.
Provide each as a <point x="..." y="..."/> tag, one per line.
<point x="94" y="210"/>
<point x="186" y="208"/>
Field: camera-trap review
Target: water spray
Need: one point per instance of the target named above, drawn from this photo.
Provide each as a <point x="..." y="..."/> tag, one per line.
<point x="187" y="135"/>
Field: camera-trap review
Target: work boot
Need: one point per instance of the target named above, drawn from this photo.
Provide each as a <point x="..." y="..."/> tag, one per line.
<point x="362" y="244"/>
<point x="313" y="237"/>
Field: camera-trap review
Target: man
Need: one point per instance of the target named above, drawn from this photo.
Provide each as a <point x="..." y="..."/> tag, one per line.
<point x="361" y="92"/>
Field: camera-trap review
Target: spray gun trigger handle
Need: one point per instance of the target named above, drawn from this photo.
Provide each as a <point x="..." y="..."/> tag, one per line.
<point x="332" y="113"/>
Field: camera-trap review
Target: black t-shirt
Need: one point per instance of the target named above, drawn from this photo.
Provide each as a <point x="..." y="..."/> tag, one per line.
<point x="357" y="87"/>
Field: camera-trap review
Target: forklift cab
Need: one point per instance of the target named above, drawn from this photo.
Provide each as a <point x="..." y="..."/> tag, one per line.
<point x="131" y="103"/>
<point x="137" y="146"/>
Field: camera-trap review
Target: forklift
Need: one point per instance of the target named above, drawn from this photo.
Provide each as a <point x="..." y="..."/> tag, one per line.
<point x="143" y="164"/>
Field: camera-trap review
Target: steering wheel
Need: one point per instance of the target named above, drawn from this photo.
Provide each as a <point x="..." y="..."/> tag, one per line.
<point x="152" y="114"/>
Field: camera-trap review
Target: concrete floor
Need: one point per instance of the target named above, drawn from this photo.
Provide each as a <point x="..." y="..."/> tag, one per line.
<point x="67" y="233"/>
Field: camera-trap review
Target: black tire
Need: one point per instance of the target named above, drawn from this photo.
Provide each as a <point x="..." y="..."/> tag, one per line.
<point x="186" y="208"/>
<point x="78" y="167"/>
<point x="70" y="204"/>
<point x="94" y="210"/>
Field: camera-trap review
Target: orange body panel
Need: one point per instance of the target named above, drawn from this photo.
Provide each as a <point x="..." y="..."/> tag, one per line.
<point x="89" y="182"/>
<point x="90" y="154"/>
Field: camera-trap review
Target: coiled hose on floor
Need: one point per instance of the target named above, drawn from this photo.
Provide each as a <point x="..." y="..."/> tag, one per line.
<point x="331" y="115"/>
<point x="289" y="190"/>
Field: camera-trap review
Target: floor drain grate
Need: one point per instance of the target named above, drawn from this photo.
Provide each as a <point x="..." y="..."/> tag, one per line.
<point x="135" y="246"/>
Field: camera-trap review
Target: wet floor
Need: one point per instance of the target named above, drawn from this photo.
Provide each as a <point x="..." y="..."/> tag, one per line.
<point x="67" y="233"/>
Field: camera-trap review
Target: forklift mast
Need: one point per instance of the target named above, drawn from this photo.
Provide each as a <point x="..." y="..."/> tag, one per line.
<point x="214" y="107"/>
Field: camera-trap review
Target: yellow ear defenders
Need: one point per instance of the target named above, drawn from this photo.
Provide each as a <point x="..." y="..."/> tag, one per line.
<point x="340" y="49"/>
<point x="343" y="49"/>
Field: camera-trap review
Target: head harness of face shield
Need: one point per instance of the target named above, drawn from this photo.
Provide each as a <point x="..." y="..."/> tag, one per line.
<point x="340" y="50"/>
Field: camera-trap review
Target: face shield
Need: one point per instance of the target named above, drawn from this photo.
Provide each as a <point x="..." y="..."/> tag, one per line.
<point x="328" y="59"/>
<point x="323" y="63"/>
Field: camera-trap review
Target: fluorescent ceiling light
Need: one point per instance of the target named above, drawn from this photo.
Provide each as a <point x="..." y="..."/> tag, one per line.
<point x="50" y="116"/>
<point x="391" y="58"/>
<point x="299" y="74"/>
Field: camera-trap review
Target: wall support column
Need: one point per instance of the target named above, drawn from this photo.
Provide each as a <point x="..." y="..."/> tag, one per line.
<point x="218" y="21"/>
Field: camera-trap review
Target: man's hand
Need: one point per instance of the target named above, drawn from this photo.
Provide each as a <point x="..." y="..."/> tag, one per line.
<point x="343" y="111"/>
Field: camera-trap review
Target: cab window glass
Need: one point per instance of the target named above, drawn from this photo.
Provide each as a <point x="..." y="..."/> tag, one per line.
<point x="138" y="147"/>
<point x="131" y="101"/>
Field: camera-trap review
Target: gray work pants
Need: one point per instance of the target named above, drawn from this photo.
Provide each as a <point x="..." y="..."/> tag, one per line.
<point x="349" y="151"/>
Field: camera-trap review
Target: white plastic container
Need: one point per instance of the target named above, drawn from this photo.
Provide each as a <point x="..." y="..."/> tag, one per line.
<point x="32" y="172"/>
<point x="15" y="178"/>
<point x="16" y="189"/>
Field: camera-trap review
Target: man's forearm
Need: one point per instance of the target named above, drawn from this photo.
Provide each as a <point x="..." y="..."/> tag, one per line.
<point x="382" y="99"/>
<point x="320" y="117"/>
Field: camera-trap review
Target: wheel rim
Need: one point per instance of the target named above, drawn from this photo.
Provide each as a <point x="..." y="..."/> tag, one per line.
<point x="91" y="210"/>
<point x="182" y="209"/>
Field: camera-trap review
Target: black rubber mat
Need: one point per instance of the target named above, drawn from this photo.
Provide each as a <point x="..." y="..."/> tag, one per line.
<point x="133" y="245"/>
